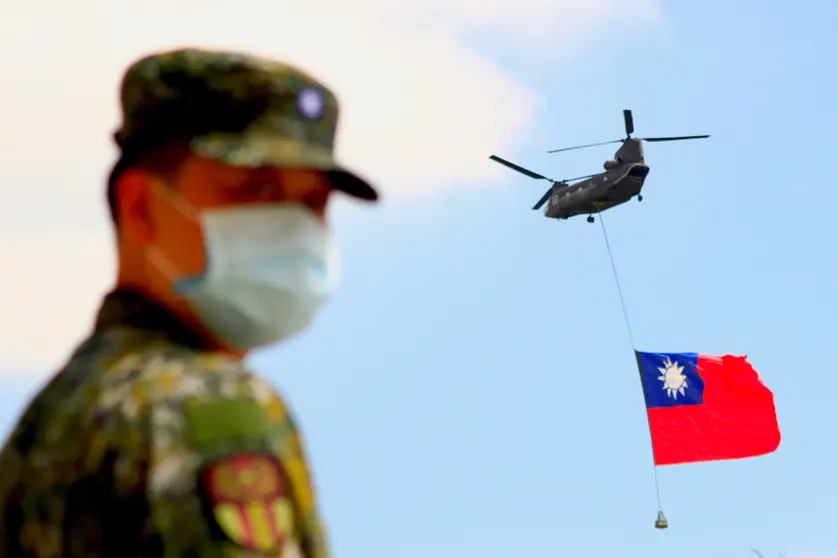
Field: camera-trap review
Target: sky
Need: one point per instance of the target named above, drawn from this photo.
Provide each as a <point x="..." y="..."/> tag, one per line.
<point x="471" y="391"/>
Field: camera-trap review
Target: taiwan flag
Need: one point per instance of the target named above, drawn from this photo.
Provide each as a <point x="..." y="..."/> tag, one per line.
<point x="706" y="408"/>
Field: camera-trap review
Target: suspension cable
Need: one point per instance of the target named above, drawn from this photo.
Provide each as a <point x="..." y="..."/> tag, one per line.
<point x="633" y="346"/>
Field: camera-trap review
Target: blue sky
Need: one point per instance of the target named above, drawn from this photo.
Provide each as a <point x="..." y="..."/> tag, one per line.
<point x="472" y="390"/>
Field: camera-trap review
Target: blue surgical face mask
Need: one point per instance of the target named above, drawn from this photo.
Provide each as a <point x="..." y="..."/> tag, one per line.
<point x="270" y="268"/>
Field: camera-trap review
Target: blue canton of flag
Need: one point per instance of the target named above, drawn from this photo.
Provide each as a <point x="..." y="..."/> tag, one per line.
<point x="670" y="379"/>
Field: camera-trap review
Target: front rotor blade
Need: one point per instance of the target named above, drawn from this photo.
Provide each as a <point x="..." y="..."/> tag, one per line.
<point x="629" y="122"/>
<point x="543" y="199"/>
<point x="584" y="146"/>
<point x="515" y="167"/>
<point x="677" y="138"/>
<point x="581" y="177"/>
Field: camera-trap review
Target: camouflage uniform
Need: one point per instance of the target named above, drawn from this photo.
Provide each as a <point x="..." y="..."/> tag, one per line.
<point x="146" y="444"/>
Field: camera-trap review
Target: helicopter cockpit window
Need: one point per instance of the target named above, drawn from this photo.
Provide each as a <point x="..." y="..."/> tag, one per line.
<point x="640" y="172"/>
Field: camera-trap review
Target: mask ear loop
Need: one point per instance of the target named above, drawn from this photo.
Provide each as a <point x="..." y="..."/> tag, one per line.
<point x="154" y="254"/>
<point x="176" y="200"/>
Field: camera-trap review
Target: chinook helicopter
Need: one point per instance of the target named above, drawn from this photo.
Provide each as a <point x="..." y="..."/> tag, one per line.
<point x="622" y="180"/>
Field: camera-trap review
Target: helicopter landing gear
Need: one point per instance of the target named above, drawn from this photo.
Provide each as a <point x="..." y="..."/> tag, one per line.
<point x="639" y="198"/>
<point x="590" y="218"/>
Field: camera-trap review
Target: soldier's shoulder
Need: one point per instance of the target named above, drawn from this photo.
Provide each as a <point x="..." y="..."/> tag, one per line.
<point x="168" y="374"/>
<point x="150" y="388"/>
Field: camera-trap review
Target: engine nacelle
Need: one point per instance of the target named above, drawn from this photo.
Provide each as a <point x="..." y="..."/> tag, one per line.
<point x="608" y="165"/>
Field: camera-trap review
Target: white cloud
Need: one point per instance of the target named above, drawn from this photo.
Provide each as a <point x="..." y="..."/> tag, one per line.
<point x="422" y="110"/>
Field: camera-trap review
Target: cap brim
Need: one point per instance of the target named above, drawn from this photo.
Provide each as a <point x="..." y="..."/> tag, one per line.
<point x="250" y="150"/>
<point x="351" y="184"/>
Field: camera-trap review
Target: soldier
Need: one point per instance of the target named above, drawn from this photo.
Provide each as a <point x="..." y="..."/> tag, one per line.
<point x="155" y="439"/>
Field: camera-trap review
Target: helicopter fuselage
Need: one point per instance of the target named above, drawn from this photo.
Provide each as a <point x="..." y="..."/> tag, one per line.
<point x="622" y="180"/>
<point x="598" y="193"/>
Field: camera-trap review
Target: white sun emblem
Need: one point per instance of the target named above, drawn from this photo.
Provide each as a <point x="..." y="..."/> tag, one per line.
<point x="673" y="381"/>
<point x="311" y="104"/>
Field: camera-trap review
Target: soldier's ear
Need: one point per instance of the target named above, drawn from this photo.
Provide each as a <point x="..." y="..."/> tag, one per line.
<point x="133" y="192"/>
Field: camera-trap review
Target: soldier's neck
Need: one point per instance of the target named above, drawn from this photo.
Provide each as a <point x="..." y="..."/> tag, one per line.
<point x="135" y="272"/>
<point x="180" y="312"/>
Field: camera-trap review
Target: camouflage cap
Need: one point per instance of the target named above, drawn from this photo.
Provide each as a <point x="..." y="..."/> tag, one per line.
<point x="236" y="108"/>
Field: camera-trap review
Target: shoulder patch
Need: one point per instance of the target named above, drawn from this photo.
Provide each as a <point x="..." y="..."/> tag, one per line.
<point x="249" y="499"/>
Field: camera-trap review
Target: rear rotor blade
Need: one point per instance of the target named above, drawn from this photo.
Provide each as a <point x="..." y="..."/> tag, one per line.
<point x="677" y="138"/>
<point x="584" y="146"/>
<point x="543" y="199"/>
<point x="629" y="122"/>
<point x="522" y="170"/>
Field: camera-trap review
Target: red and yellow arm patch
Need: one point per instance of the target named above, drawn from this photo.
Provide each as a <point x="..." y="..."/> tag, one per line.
<point x="250" y="500"/>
